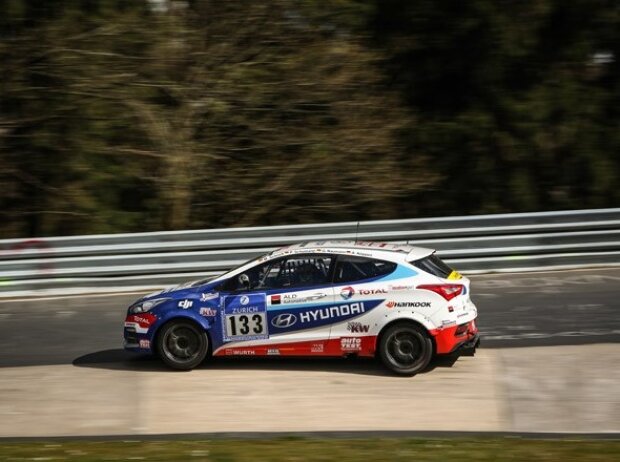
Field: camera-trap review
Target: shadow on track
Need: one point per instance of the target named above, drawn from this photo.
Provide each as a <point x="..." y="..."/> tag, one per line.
<point x="119" y="359"/>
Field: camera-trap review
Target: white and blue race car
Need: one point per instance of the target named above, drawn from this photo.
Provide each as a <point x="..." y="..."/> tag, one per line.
<point x="400" y="303"/>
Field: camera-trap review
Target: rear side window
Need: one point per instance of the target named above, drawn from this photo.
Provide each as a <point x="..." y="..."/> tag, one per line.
<point x="351" y="269"/>
<point x="433" y="265"/>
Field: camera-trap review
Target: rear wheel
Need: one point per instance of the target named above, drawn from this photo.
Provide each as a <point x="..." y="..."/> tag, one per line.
<point x="405" y="349"/>
<point x="182" y="345"/>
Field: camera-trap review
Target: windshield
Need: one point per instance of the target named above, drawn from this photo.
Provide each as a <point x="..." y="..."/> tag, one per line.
<point x="224" y="275"/>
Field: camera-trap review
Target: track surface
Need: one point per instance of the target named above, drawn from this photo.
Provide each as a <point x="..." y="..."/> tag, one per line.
<point x="515" y="310"/>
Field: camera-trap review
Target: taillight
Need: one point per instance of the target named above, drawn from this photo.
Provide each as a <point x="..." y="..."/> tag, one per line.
<point x="447" y="291"/>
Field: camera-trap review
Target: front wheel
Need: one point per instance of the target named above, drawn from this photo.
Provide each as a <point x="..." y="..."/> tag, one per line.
<point x="182" y="345"/>
<point x="405" y="349"/>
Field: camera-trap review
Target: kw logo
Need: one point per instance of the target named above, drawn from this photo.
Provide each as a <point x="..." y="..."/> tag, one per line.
<point x="357" y="327"/>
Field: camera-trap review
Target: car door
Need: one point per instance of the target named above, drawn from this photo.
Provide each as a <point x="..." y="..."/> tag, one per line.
<point x="360" y="283"/>
<point x="279" y="312"/>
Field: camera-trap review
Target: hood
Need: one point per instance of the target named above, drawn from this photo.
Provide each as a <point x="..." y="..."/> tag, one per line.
<point x="185" y="289"/>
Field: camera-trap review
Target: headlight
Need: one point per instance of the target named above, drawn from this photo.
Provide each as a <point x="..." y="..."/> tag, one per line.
<point x="143" y="307"/>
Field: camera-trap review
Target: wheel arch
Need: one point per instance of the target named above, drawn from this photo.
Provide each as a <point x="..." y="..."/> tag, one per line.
<point x="404" y="320"/>
<point x="199" y="323"/>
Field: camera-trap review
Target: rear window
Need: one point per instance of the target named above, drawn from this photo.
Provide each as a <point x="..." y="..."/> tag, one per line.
<point x="351" y="269"/>
<point x="433" y="265"/>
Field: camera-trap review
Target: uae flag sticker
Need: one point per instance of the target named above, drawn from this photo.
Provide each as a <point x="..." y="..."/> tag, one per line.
<point x="275" y="299"/>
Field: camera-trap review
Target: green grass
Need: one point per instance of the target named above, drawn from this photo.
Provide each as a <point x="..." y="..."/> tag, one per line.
<point x="309" y="449"/>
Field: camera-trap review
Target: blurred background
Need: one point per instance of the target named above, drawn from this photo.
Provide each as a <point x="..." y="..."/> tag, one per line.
<point x="124" y="116"/>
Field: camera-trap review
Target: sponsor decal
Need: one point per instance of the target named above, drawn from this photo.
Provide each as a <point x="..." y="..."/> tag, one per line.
<point x="230" y="351"/>
<point x="207" y="297"/>
<point x="284" y="320"/>
<point x="347" y="292"/>
<point x="350" y="344"/>
<point x="332" y="312"/>
<point x="357" y="327"/>
<point x="145" y="343"/>
<point x="316" y="348"/>
<point x="371" y="291"/>
<point x="314" y="316"/>
<point x="393" y="304"/>
<point x="400" y="287"/>
<point x="144" y="320"/>
<point x="208" y="312"/>
<point x="273" y="352"/>
<point x="448" y="323"/>
<point x="185" y="304"/>
<point x="294" y="298"/>
<point x="244" y="317"/>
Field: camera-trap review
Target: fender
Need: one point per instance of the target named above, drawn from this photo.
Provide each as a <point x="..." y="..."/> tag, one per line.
<point x="396" y="315"/>
<point x="181" y="314"/>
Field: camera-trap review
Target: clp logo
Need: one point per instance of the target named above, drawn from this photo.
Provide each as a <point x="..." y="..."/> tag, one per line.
<point x="244" y="300"/>
<point x="347" y="292"/>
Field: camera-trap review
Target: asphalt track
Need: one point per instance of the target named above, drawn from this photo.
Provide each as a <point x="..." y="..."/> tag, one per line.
<point x="515" y="310"/>
<point x="550" y="362"/>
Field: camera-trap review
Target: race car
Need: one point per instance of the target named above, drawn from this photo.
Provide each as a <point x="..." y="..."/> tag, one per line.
<point x="399" y="303"/>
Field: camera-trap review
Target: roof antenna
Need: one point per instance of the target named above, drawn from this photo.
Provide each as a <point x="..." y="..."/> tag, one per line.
<point x="357" y="230"/>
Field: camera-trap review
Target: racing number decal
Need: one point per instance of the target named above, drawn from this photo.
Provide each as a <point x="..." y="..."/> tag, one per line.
<point x="245" y="324"/>
<point x="245" y="317"/>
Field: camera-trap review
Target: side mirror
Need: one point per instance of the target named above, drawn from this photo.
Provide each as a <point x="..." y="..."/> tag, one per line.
<point x="244" y="280"/>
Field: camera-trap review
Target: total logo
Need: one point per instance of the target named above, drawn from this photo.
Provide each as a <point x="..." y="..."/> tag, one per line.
<point x="371" y="291"/>
<point x="144" y="320"/>
<point x="347" y="292"/>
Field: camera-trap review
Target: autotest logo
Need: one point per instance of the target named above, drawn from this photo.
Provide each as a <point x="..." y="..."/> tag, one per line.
<point x="347" y="292"/>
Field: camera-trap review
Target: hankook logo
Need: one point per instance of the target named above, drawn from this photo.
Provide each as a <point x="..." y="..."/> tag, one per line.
<point x="284" y="320"/>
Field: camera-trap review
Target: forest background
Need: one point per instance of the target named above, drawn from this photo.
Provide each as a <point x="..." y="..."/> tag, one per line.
<point x="126" y="116"/>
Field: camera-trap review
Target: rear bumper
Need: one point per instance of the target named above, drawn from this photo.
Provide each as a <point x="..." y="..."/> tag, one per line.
<point x="469" y="345"/>
<point x="450" y="339"/>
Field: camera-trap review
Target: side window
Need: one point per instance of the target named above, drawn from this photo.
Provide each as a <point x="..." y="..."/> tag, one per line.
<point x="351" y="269"/>
<point x="283" y="273"/>
<point x="300" y="271"/>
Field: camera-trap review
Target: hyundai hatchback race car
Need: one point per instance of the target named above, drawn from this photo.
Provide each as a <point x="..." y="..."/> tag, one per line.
<point x="400" y="303"/>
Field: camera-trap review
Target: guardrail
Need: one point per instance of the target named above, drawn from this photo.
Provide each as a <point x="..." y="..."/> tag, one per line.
<point x="472" y="244"/>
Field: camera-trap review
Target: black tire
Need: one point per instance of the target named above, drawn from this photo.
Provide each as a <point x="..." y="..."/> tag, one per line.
<point x="405" y="348"/>
<point x="182" y="345"/>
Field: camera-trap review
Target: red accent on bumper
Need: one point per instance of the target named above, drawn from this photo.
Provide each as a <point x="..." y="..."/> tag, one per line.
<point x="447" y="341"/>
<point x="144" y="320"/>
<point x="331" y="347"/>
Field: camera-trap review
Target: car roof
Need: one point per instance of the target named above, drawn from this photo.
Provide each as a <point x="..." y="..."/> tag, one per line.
<point x="385" y="250"/>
